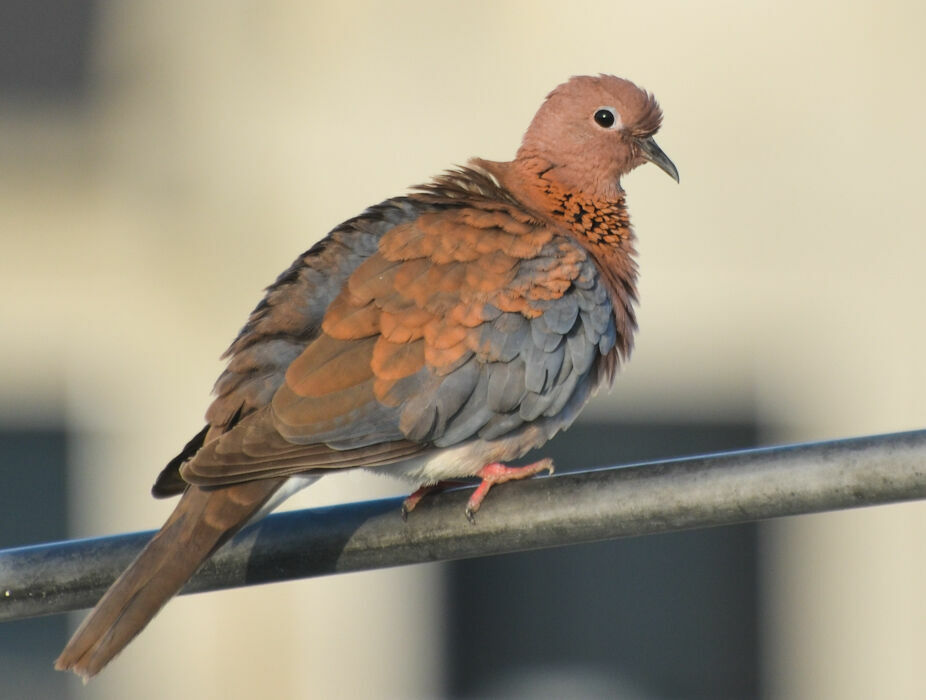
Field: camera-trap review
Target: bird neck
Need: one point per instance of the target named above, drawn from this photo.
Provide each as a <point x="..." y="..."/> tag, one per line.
<point x="601" y="225"/>
<point x="599" y="221"/>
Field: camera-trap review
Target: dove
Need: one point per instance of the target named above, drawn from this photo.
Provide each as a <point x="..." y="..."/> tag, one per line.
<point x="436" y="336"/>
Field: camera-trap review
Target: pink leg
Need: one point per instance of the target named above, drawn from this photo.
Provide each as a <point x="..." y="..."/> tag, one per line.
<point x="408" y="505"/>
<point x="497" y="473"/>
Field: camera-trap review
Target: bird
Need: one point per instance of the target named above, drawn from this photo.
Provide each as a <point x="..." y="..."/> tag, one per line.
<point x="435" y="336"/>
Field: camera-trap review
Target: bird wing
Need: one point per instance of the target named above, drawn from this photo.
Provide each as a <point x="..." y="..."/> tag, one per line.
<point x="464" y="323"/>
<point x="286" y="320"/>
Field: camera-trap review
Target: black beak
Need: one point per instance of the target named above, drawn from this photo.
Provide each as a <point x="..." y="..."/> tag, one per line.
<point x="651" y="152"/>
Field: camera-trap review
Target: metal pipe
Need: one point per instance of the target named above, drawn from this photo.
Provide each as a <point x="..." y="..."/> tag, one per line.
<point x="577" y="507"/>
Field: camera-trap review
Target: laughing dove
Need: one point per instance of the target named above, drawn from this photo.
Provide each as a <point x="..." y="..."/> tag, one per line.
<point x="434" y="336"/>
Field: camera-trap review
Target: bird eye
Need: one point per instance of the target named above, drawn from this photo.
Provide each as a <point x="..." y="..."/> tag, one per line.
<point x="605" y="118"/>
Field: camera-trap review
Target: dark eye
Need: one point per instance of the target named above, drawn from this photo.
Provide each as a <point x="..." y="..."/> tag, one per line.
<point x="604" y="118"/>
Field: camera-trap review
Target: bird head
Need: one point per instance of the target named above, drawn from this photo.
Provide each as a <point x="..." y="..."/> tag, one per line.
<point x="590" y="131"/>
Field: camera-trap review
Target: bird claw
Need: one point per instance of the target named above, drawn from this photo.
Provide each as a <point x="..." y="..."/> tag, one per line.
<point x="409" y="504"/>
<point x="498" y="473"/>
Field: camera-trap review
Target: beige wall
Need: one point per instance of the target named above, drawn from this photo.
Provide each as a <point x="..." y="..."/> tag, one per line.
<point x="784" y="276"/>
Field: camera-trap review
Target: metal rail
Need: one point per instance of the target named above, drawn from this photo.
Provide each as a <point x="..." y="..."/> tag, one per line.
<point x="577" y="507"/>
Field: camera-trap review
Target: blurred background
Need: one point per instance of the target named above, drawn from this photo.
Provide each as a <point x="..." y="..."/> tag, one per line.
<point x="161" y="162"/>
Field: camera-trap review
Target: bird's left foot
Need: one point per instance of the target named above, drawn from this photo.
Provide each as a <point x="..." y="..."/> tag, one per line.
<point x="497" y="473"/>
<point x="408" y="505"/>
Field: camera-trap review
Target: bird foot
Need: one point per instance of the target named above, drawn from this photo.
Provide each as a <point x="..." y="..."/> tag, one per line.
<point x="408" y="505"/>
<point x="497" y="473"/>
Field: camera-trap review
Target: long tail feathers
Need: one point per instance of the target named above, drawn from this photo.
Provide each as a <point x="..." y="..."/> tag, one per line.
<point x="202" y="521"/>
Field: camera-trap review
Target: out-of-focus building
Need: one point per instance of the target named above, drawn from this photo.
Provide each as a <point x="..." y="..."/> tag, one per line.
<point x="161" y="162"/>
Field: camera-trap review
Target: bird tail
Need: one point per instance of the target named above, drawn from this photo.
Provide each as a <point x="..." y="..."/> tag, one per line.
<point x="202" y="521"/>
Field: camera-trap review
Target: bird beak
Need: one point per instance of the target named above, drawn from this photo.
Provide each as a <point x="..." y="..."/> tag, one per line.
<point x="651" y="152"/>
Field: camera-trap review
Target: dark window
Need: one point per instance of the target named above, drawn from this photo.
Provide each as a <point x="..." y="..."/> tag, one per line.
<point x="33" y="509"/>
<point x="45" y="49"/>
<point x="662" y="616"/>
